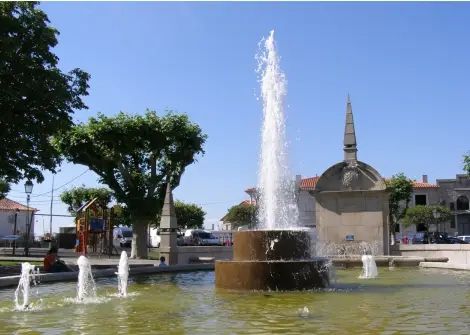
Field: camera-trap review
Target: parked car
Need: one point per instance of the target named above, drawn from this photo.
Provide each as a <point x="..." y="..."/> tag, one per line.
<point x="423" y="237"/>
<point x="455" y="240"/>
<point x="465" y="238"/>
<point x="199" y="237"/>
<point x="122" y="236"/>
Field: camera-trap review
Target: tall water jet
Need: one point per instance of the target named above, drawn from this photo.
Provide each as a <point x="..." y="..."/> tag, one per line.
<point x="86" y="287"/>
<point x="369" y="267"/>
<point x="24" y="285"/>
<point x="277" y="207"/>
<point x="123" y="274"/>
<point x="276" y="257"/>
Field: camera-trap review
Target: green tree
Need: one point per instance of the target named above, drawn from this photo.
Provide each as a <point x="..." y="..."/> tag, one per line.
<point x="78" y="196"/>
<point x="37" y="99"/>
<point x="427" y="215"/>
<point x="242" y="215"/>
<point x="4" y="188"/>
<point x="466" y="163"/>
<point x="400" y="189"/>
<point x="188" y="215"/>
<point x="135" y="156"/>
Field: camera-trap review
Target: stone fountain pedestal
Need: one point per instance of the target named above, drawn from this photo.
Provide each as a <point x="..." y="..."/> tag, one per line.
<point x="272" y="260"/>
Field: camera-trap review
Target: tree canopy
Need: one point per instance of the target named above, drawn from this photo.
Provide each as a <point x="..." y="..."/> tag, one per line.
<point x="427" y="215"/>
<point x="4" y="189"/>
<point x="37" y="99"/>
<point x="400" y="189"/>
<point x="188" y="215"/>
<point x="78" y="196"/>
<point x="135" y="156"/>
<point x="466" y="163"/>
<point x="242" y="215"/>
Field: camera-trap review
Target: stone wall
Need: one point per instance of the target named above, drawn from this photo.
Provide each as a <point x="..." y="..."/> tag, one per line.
<point x="457" y="253"/>
<point x="191" y="254"/>
<point x="358" y="215"/>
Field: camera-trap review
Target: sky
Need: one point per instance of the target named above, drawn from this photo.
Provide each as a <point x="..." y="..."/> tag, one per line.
<point x="406" y="67"/>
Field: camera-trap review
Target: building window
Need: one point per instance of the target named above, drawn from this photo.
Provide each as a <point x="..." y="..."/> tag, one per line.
<point x="420" y="199"/>
<point x="452" y="206"/>
<point x="462" y="203"/>
<point x="452" y="222"/>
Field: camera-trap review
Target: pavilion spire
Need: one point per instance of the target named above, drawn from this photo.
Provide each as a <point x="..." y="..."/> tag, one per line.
<point x="350" y="145"/>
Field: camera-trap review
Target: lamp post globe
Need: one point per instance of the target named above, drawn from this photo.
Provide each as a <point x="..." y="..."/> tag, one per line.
<point x="28" y="187"/>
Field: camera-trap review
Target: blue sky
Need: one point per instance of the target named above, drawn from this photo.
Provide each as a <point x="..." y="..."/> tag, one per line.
<point x="405" y="65"/>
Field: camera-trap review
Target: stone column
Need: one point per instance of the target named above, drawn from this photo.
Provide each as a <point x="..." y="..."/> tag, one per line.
<point x="168" y="229"/>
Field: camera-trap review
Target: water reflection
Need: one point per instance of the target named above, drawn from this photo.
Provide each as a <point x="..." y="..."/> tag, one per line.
<point x="404" y="301"/>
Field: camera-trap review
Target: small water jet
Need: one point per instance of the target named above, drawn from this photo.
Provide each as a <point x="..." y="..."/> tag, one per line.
<point x="28" y="275"/>
<point x="86" y="287"/>
<point x="123" y="274"/>
<point x="304" y="312"/>
<point x="369" y="267"/>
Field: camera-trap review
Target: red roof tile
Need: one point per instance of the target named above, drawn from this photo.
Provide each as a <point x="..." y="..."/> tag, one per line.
<point x="309" y="183"/>
<point x="419" y="184"/>
<point x="8" y="205"/>
<point x="305" y="184"/>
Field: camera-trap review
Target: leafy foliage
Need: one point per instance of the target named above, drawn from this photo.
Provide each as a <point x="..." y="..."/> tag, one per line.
<point x="135" y="156"/>
<point x="121" y="216"/>
<point x="400" y="189"/>
<point x="241" y="215"/>
<point x="427" y="215"/>
<point x="78" y="196"/>
<point x="4" y="189"/>
<point x="188" y="215"/>
<point x="466" y="163"/>
<point x="36" y="98"/>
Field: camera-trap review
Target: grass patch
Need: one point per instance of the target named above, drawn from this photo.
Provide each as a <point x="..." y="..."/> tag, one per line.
<point x="12" y="263"/>
<point x="153" y="254"/>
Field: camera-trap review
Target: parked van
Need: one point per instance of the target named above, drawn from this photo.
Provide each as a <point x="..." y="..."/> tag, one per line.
<point x="199" y="237"/>
<point x="154" y="237"/>
<point x="122" y="236"/>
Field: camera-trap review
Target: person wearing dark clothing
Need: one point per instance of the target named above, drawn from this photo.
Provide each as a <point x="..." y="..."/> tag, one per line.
<point x="52" y="263"/>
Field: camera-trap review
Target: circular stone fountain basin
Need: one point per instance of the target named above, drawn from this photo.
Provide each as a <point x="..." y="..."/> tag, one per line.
<point x="272" y="260"/>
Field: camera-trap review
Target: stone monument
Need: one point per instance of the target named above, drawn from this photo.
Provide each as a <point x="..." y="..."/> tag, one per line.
<point x="168" y="229"/>
<point x="352" y="202"/>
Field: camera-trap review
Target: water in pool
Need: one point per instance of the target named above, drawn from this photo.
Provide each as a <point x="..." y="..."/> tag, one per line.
<point x="398" y="301"/>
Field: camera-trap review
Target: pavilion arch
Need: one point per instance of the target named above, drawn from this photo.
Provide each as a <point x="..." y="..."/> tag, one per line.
<point x="462" y="203"/>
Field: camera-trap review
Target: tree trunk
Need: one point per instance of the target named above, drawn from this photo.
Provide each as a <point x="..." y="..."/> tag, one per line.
<point x="139" y="238"/>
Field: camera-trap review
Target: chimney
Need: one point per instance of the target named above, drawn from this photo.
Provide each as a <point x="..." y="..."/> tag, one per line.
<point x="425" y="178"/>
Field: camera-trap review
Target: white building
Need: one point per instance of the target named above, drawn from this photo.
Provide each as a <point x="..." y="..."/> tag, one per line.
<point x="11" y="211"/>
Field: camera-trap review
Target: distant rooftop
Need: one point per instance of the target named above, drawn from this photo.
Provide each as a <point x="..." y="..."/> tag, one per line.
<point x="9" y="205"/>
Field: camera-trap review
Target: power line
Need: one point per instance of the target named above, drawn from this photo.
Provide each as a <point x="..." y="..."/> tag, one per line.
<point x="58" y="188"/>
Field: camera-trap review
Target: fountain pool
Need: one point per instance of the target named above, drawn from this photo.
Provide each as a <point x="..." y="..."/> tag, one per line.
<point x="399" y="301"/>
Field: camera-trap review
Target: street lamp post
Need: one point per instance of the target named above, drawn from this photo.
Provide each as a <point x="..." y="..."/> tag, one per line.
<point x="14" y="230"/>
<point x="28" y="189"/>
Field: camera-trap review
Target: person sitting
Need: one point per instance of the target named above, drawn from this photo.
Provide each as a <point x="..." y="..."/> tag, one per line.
<point x="52" y="263"/>
<point x="162" y="262"/>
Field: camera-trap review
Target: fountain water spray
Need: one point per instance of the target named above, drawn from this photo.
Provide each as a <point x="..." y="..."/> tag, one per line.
<point x="123" y="274"/>
<point x="28" y="275"/>
<point x="277" y="206"/>
<point x="369" y="268"/>
<point x="86" y="285"/>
